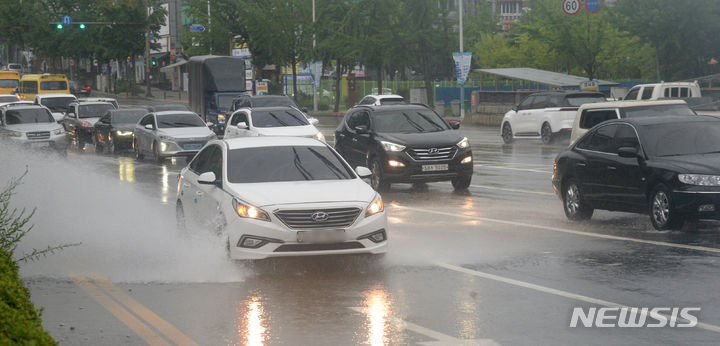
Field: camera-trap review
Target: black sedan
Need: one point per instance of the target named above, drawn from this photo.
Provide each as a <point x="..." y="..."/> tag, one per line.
<point x="114" y="130"/>
<point x="404" y="144"/>
<point x="80" y="89"/>
<point x="668" y="167"/>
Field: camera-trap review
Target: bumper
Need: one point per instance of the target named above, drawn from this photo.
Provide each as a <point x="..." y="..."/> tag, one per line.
<point x="123" y="142"/>
<point x="58" y="142"/>
<point x="688" y="203"/>
<point x="170" y="149"/>
<point x="412" y="171"/>
<point x="283" y="241"/>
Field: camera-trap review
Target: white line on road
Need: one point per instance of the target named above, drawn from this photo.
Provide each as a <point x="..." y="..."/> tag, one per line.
<point x="442" y="339"/>
<point x="488" y="187"/>
<point x="553" y="291"/>
<point x="563" y="230"/>
<point x="514" y="169"/>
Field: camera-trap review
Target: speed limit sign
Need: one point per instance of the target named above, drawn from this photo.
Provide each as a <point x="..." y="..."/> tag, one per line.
<point x="571" y="7"/>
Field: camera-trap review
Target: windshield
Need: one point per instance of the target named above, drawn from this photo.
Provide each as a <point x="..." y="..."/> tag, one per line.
<point x="278" y="118"/>
<point x="272" y="102"/>
<point x="8" y="99"/>
<point x="285" y="163"/>
<point x="28" y="116"/>
<point x="9" y="83"/>
<point x="179" y="120"/>
<point x="659" y="110"/>
<point x="579" y="100"/>
<point x="55" y="85"/>
<point x="57" y="104"/>
<point x="408" y="121"/>
<point x="673" y="139"/>
<point x="127" y="116"/>
<point x="225" y="101"/>
<point x="93" y="111"/>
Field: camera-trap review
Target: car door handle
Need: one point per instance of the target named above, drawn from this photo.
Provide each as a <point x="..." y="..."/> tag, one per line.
<point x="612" y="168"/>
<point x="580" y="164"/>
<point x="199" y="193"/>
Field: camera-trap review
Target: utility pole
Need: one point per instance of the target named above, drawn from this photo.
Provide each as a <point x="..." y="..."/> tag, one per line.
<point x="147" y="50"/>
<point x="209" y="28"/>
<point x="462" y="86"/>
<point x="315" y="92"/>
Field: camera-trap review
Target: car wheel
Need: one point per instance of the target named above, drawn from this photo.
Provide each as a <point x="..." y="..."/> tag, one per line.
<point x="138" y="155"/>
<point x="376" y="181"/>
<point x="546" y="134"/>
<point x="112" y="148"/>
<point x="156" y="152"/>
<point x="80" y="141"/>
<point x="662" y="216"/>
<point x="575" y="208"/>
<point x="507" y="134"/>
<point x="98" y="146"/>
<point x="461" y="182"/>
<point x="180" y="216"/>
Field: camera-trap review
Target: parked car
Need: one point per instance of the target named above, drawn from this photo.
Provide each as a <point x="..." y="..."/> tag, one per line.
<point x="57" y="103"/>
<point x="114" y="130"/>
<point x="404" y="144"/>
<point x="545" y="115"/>
<point x="379" y="100"/>
<point x="668" y="167"/>
<point x="656" y="91"/>
<point x="589" y="115"/>
<point x="77" y="88"/>
<point x="281" y="196"/>
<point x="32" y="126"/>
<point x="271" y="121"/>
<point x="101" y="99"/>
<point x="170" y="134"/>
<point x="80" y="119"/>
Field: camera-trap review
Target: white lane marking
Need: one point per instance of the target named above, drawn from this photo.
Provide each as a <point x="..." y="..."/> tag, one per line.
<point x="441" y="339"/>
<point x="514" y="169"/>
<point x="520" y="164"/>
<point x="512" y="190"/>
<point x="563" y="230"/>
<point x="553" y="291"/>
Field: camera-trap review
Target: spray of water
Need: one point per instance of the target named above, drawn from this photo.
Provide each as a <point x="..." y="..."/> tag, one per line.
<point x="126" y="235"/>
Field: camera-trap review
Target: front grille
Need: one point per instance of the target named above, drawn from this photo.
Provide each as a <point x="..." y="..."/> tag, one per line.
<point x="302" y="219"/>
<point x="38" y="135"/>
<point x="319" y="247"/>
<point x="427" y="154"/>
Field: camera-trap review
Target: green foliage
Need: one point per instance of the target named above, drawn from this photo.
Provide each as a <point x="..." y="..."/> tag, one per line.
<point x="14" y="224"/>
<point x="19" y="321"/>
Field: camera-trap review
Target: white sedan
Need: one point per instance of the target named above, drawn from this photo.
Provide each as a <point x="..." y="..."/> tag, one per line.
<point x="271" y="121"/>
<point x="281" y="196"/>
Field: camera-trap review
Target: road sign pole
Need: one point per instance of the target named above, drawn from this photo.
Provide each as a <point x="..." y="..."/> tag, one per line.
<point x="147" y="51"/>
<point x="462" y="86"/>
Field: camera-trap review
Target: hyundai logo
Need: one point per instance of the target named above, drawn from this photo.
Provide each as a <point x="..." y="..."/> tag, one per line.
<point x="433" y="151"/>
<point x="319" y="216"/>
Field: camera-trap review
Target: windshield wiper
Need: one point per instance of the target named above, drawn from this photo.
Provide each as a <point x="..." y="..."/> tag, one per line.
<point x="300" y="167"/>
<point x="278" y="119"/>
<point x="412" y="123"/>
<point x="430" y="121"/>
<point x="296" y="118"/>
<point x="338" y="173"/>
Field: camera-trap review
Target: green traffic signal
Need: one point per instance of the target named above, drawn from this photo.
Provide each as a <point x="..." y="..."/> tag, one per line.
<point x="59" y="26"/>
<point x="82" y="26"/>
<point x="154" y="62"/>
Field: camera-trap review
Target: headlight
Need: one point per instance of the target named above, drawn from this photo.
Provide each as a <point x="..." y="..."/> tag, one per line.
<point x="59" y="131"/>
<point x="123" y="133"/>
<point x="390" y="146"/>
<point x="463" y="143"/>
<point x="249" y="211"/>
<point x="14" y="134"/>
<point x="376" y="206"/>
<point x="163" y="146"/>
<point x="700" y="179"/>
<point x="319" y="136"/>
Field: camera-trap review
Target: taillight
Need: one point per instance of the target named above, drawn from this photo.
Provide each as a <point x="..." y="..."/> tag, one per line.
<point x="87" y="88"/>
<point x="568" y="109"/>
<point x="85" y="124"/>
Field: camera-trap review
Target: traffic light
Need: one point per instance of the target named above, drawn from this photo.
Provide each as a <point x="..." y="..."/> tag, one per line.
<point x="59" y="26"/>
<point x="154" y="62"/>
<point x="82" y="26"/>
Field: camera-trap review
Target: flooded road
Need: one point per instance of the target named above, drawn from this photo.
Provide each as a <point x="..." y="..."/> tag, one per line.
<point x="499" y="264"/>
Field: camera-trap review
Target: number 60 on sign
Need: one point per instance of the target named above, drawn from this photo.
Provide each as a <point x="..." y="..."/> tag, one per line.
<point x="571" y="7"/>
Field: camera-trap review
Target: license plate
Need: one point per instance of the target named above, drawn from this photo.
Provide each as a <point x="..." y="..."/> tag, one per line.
<point x="192" y="146"/>
<point x="321" y="236"/>
<point x="40" y="145"/>
<point x="434" y="168"/>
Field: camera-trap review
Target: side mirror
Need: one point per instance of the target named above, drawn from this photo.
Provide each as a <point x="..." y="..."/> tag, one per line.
<point x="361" y="129"/>
<point x="454" y="124"/>
<point x="363" y="172"/>
<point x="149" y="126"/>
<point x="515" y="108"/>
<point x="313" y="121"/>
<point x="207" y="178"/>
<point x="243" y="125"/>
<point x="628" y="152"/>
<point x="210" y="124"/>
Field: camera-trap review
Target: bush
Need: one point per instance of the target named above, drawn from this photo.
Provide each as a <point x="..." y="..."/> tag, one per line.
<point x="19" y="321"/>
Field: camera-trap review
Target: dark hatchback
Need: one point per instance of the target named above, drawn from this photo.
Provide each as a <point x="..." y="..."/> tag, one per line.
<point x="114" y="130"/>
<point x="668" y="167"/>
<point x="404" y="144"/>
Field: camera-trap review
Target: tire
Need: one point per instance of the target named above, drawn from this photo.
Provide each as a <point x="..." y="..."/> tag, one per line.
<point x="112" y="149"/>
<point x="660" y="205"/>
<point x="377" y="182"/>
<point x="180" y="216"/>
<point x="80" y="141"/>
<point x="546" y="134"/>
<point x="507" y="134"/>
<point x="156" y="154"/>
<point x="573" y="205"/>
<point x="138" y="155"/>
<point x="98" y="147"/>
<point x="461" y="182"/>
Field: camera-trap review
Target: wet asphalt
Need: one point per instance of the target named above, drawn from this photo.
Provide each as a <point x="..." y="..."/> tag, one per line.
<point x="497" y="264"/>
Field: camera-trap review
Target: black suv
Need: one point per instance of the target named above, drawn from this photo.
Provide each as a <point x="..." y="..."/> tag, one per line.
<point x="404" y="144"/>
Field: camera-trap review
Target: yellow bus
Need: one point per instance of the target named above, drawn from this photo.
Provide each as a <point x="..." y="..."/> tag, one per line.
<point x="33" y="84"/>
<point x="9" y="81"/>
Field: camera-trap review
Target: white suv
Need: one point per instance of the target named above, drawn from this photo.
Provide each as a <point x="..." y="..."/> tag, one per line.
<point x="545" y="115"/>
<point x="271" y="121"/>
<point x="379" y="100"/>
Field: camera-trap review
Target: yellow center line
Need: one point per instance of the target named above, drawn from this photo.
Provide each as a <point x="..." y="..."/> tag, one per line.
<point x="138" y="327"/>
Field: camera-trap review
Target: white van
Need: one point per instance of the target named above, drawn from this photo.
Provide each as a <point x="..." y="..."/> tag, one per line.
<point x="656" y="91"/>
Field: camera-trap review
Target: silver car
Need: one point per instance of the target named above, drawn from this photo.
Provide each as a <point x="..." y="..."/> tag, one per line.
<point x="32" y="126"/>
<point x="170" y="133"/>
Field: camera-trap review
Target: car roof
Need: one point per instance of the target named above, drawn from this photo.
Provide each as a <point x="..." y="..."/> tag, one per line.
<point x="43" y="96"/>
<point x="2" y="95"/>
<point x="566" y="92"/>
<point x="256" y="142"/>
<point x="83" y="103"/>
<point x="384" y="96"/>
<point x="21" y="106"/>
<point x="627" y="104"/>
<point x="269" y="109"/>
<point x="118" y="110"/>
<point x="174" y="112"/>
<point x="395" y="106"/>
<point x="644" y="121"/>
